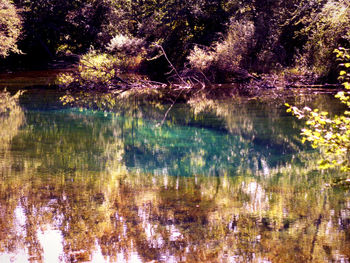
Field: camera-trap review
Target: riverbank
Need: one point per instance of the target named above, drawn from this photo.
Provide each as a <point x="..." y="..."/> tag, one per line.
<point x="29" y="78"/>
<point x="265" y="86"/>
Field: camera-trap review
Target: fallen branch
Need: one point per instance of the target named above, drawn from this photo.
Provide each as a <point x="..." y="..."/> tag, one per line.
<point x="171" y="64"/>
<point x="314" y="86"/>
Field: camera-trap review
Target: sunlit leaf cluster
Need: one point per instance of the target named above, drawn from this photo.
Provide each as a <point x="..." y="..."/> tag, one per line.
<point x="94" y="70"/>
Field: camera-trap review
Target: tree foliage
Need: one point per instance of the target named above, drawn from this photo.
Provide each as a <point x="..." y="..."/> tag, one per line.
<point x="325" y="27"/>
<point x="10" y="28"/>
<point x="219" y="37"/>
<point x="51" y="26"/>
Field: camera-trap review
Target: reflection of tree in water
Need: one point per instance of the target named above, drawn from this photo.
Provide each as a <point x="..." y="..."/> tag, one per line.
<point x="247" y="137"/>
<point x="201" y="219"/>
<point x="73" y="177"/>
<point x="206" y="136"/>
<point x="11" y="119"/>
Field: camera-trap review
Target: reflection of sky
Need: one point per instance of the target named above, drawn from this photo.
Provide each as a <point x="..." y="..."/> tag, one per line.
<point x="20" y="220"/>
<point x="258" y="202"/>
<point x="20" y="255"/>
<point x="52" y="243"/>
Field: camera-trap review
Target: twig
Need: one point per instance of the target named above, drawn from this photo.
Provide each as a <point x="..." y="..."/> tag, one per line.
<point x="171" y="64"/>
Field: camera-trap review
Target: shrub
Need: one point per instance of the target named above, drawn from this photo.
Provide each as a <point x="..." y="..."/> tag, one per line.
<point x="130" y="51"/>
<point x="102" y="71"/>
<point x="94" y="71"/>
<point x="122" y="44"/>
<point x="224" y="56"/>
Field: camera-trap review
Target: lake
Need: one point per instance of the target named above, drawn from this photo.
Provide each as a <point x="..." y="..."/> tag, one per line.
<point x="218" y="181"/>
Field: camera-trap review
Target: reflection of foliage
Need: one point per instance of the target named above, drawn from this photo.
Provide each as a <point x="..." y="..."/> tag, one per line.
<point x="8" y="102"/>
<point x="330" y="133"/>
<point x="92" y="100"/>
<point x="74" y="175"/>
<point x="70" y="148"/>
<point x="11" y="118"/>
<point x="250" y="136"/>
<point x="197" y="218"/>
<point x="260" y="123"/>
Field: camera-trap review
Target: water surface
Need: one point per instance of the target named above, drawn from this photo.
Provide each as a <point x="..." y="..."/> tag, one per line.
<point x="219" y="181"/>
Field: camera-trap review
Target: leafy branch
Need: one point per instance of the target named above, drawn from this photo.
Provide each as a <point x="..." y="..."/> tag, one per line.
<point x="332" y="134"/>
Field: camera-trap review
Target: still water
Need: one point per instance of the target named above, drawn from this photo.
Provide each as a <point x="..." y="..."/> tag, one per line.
<point x="219" y="181"/>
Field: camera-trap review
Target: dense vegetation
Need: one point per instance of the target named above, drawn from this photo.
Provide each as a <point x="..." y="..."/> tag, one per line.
<point x="212" y="40"/>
